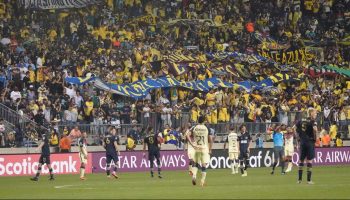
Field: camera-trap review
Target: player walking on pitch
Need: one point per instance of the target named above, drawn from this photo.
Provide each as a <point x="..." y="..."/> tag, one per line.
<point x="306" y="133"/>
<point x="44" y="158"/>
<point x="152" y="143"/>
<point x="233" y="146"/>
<point x="110" y="143"/>
<point x="83" y="154"/>
<point x="244" y="143"/>
<point x="190" y="150"/>
<point x="202" y="144"/>
<point x="289" y="148"/>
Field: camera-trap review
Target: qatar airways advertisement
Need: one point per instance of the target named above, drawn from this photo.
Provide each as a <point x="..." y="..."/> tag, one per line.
<point x="27" y="164"/>
<point x="133" y="161"/>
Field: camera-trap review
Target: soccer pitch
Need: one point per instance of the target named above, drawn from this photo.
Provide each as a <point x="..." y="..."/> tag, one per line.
<point x="330" y="183"/>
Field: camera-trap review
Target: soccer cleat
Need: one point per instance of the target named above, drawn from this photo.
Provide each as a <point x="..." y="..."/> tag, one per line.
<point x="194" y="181"/>
<point x="245" y="174"/>
<point x="51" y="178"/>
<point x="283" y="173"/>
<point x="108" y="176"/>
<point x="115" y="175"/>
<point x="34" y="179"/>
<point x="310" y="183"/>
<point x="82" y="178"/>
<point x="233" y="172"/>
<point x="288" y="170"/>
<point x="160" y="176"/>
<point x="299" y="182"/>
<point x="272" y="172"/>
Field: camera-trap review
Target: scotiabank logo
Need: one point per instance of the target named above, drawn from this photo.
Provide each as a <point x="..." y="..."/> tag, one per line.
<point x="21" y="165"/>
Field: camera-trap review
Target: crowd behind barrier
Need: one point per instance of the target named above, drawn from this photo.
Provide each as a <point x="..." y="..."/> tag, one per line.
<point x="191" y="40"/>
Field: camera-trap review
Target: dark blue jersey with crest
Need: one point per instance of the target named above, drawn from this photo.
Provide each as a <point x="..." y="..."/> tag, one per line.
<point x="244" y="140"/>
<point x="109" y="142"/>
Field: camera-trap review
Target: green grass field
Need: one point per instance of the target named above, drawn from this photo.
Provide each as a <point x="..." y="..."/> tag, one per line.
<point x="330" y="182"/>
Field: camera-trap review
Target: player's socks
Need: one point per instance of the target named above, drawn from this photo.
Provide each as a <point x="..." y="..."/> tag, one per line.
<point x="51" y="175"/>
<point x="283" y="166"/>
<point x="108" y="169"/>
<point x="309" y="172"/>
<point x="300" y="171"/>
<point x="191" y="164"/>
<point x="82" y="171"/>
<point x="204" y="175"/>
<point x="290" y="165"/>
<point x="236" y="166"/>
<point x="152" y="174"/>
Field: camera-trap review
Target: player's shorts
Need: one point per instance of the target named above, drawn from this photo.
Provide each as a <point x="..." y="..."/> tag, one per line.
<point x="307" y="150"/>
<point x="44" y="160"/>
<point x="243" y="155"/>
<point x="153" y="155"/>
<point x="202" y="157"/>
<point x="278" y="152"/>
<point x="288" y="151"/>
<point x="233" y="155"/>
<point x="110" y="157"/>
<point x="82" y="158"/>
<point x="191" y="152"/>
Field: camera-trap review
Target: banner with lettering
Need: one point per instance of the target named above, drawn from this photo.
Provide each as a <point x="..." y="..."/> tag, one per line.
<point x="147" y="19"/>
<point x="286" y="57"/>
<point x="140" y="89"/>
<point x="56" y="4"/>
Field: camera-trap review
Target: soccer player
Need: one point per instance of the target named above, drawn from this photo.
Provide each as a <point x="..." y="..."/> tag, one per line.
<point x="289" y="148"/>
<point x="153" y="146"/>
<point x="233" y="146"/>
<point x="278" y="146"/>
<point x="190" y="150"/>
<point x="306" y="133"/>
<point x="202" y="144"/>
<point x="44" y="158"/>
<point x="82" y="154"/>
<point x="244" y="141"/>
<point x="110" y="143"/>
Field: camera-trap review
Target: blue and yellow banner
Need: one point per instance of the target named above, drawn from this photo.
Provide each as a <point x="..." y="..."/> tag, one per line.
<point x="140" y="89"/>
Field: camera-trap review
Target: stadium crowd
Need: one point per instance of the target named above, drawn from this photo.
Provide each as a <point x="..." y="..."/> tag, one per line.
<point x="40" y="48"/>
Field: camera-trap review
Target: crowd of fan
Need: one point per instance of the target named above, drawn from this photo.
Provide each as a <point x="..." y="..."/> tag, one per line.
<point x="48" y="45"/>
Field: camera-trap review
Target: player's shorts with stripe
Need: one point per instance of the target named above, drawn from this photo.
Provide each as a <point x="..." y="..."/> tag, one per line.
<point x="153" y="155"/>
<point x="202" y="157"/>
<point x="307" y="150"/>
<point x="288" y="151"/>
<point x="82" y="158"/>
<point x="44" y="159"/>
<point x="110" y="157"/>
<point x="191" y="152"/>
<point x="233" y="155"/>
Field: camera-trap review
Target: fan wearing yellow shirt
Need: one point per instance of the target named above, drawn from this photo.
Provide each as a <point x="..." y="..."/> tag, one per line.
<point x="210" y="98"/>
<point x="194" y="114"/>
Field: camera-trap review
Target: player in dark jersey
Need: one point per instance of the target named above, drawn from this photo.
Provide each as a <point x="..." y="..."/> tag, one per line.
<point x="153" y="146"/>
<point x="306" y="133"/>
<point x="44" y="158"/>
<point x="110" y="143"/>
<point x="244" y="140"/>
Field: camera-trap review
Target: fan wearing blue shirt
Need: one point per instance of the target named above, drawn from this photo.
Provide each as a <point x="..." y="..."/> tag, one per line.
<point x="278" y="149"/>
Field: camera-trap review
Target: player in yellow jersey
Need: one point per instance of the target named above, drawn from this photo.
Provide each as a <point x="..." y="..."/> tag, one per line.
<point x="202" y="144"/>
<point x="233" y="146"/>
<point x="82" y="154"/>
